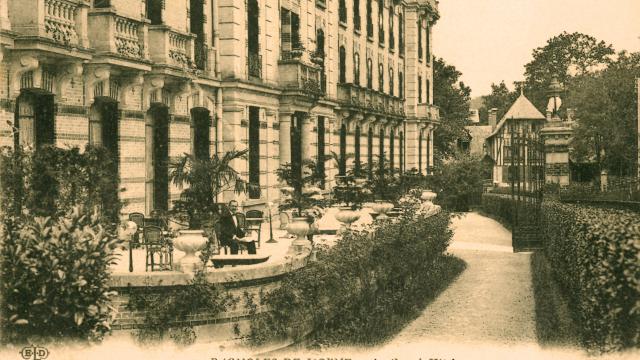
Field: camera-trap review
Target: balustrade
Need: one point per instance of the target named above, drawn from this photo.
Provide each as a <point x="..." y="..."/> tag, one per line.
<point x="170" y="47"/>
<point x="115" y="34"/>
<point x="60" y="21"/>
<point x="370" y="100"/>
<point x="295" y="74"/>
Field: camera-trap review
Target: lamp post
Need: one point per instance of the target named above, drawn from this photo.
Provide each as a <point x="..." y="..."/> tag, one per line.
<point x="271" y="239"/>
<point x="128" y="229"/>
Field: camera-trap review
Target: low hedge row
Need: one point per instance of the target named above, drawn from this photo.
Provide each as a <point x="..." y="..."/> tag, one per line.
<point x="368" y="280"/>
<point x="594" y="254"/>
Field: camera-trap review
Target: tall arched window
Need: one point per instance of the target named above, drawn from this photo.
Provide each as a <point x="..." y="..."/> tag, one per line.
<point x="419" y="89"/>
<point x="201" y="132"/>
<point x="381" y="22"/>
<point x="34" y="118"/>
<point x="392" y="36"/>
<point x="356" y="68"/>
<point x="357" y="151"/>
<point x="381" y="77"/>
<point x="321" y="152"/>
<point x="254" y="152"/>
<point x="369" y="73"/>
<point x="427" y="86"/>
<point x="320" y="43"/>
<point x="400" y="34"/>
<point x="427" y="168"/>
<point x="157" y="157"/>
<point x="392" y="150"/>
<point x="342" y="11"/>
<point x="103" y="125"/>
<point x="401" y="152"/>
<point x="420" y="140"/>
<point x="342" y="169"/>
<point x="296" y="146"/>
<point x="253" y="38"/>
<point x="400" y="85"/>
<point x="381" y="148"/>
<point x="370" y="152"/>
<point x="391" y="84"/>
<point x="356" y="14"/>
<point x="343" y="65"/>
<point x="419" y="25"/>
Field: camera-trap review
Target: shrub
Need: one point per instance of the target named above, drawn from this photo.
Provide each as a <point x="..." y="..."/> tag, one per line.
<point x="55" y="277"/>
<point x="459" y="183"/>
<point x="359" y="287"/>
<point x="594" y="253"/>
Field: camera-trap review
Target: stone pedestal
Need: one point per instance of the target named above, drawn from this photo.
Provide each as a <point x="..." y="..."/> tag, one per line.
<point x="557" y="137"/>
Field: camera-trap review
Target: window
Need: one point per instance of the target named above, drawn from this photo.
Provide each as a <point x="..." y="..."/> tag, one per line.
<point x="254" y="60"/>
<point x="420" y="141"/>
<point x="400" y="85"/>
<point x="102" y="3"/>
<point x="381" y="77"/>
<point x="400" y="34"/>
<point x="391" y="84"/>
<point x="357" y="151"/>
<point x="35" y="118"/>
<point x="157" y="157"/>
<point x="342" y="11"/>
<point x="154" y="11"/>
<point x="254" y="152"/>
<point x="428" y="47"/>
<point x="196" y="22"/>
<point x="342" y="65"/>
<point x="392" y="150"/>
<point x="321" y="155"/>
<point x="427" y="86"/>
<point x="103" y="126"/>
<point x="356" y="15"/>
<point x="370" y="152"/>
<point x="419" y="40"/>
<point x="401" y="152"/>
<point x="392" y="36"/>
<point x="428" y="167"/>
<point x="296" y="147"/>
<point x="381" y="22"/>
<point x="381" y="148"/>
<point x="342" y="169"/>
<point x="369" y="73"/>
<point x="356" y="68"/>
<point x="201" y="132"/>
<point x="320" y="43"/>
<point x="419" y="89"/>
<point x="369" y="19"/>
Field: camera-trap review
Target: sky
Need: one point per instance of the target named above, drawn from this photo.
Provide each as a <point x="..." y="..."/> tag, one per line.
<point x="492" y="40"/>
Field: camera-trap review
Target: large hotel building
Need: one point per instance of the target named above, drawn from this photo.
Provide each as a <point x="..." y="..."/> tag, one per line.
<point x="285" y="79"/>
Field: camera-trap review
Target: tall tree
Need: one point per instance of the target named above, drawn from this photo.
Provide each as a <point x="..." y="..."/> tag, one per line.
<point x="452" y="96"/>
<point x="500" y="98"/>
<point x="564" y="56"/>
<point x="606" y="106"/>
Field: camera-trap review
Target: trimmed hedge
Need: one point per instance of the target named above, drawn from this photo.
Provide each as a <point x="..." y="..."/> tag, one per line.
<point x="360" y="290"/>
<point x="594" y="254"/>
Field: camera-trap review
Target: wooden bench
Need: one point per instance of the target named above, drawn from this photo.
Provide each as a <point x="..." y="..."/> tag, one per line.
<point x="241" y="259"/>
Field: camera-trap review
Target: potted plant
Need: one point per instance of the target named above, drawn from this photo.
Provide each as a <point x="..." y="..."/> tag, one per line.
<point x="304" y="195"/>
<point x="385" y="188"/>
<point x="349" y="195"/>
<point x="201" y="180"/>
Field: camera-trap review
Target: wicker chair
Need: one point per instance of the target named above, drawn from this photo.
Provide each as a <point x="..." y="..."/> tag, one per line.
<point x="155" y="243"/>
<point x="254" y="223"/>
<point x="137" y="218"/>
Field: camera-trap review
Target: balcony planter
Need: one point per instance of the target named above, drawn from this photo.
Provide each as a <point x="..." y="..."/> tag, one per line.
<point x="189" y="242"/>
<point x="381" y="208"/>
<point x="299" y="227"/>
<point x="346" y="216"/>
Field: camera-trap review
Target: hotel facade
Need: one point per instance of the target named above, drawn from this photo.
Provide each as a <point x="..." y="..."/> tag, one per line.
<point x="154" y="79"/>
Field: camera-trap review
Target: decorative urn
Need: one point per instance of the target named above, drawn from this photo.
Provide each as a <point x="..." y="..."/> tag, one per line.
<point x="428" y="195"/>
<point x="381" y="208"/>
<point x="189" y="242"/>
<point x="346" y="216"/>
<point x="299" y="227"/>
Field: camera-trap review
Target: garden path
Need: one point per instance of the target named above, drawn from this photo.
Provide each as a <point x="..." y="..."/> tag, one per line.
<point x="490" y="302"/>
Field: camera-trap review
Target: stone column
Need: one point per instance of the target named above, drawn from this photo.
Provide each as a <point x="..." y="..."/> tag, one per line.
<point x="272" y="153"/>
<point x="412" y="133"/>
<point x="285" y="137"/>
<point x="308" y="123"/>
<point x="4" y="15"/>
<point x="556" y="139"/>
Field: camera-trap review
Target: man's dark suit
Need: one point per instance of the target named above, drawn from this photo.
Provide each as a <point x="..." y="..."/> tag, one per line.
<point x="228" y="229"/>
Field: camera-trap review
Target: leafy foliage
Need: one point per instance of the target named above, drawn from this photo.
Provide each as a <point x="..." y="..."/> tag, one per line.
<point x="205" y="179"/>
<point x="305" y="191"/>
<point x="55" y="276"/>
<point x="384" y="184"/>
<point x="166" y="312"/>
<point x="452" y="96"/>
<point x="501" y="98"/>
<point x="459" y="182"/>
<point x="361" y="289"/>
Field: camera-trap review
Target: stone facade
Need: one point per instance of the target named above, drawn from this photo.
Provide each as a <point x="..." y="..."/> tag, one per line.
<point x="266" y="75"/>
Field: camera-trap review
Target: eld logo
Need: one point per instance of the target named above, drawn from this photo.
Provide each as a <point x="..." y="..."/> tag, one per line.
<point x="34" y="353"/>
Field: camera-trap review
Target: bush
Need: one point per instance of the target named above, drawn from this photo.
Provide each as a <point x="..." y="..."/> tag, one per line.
<point x="55" y="277"/>
<point x="594" y="253"/>
<point x="459" y="183"/>
<point x="357" y="290"/>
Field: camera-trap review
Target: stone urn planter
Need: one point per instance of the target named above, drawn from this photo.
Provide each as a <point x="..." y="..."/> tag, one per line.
<point x="428" y="195"/>
<point x="381" y="208"/>
<point x="299" y="226"/>
<point x="189" y="242"/>
<point x="346" y="216"/>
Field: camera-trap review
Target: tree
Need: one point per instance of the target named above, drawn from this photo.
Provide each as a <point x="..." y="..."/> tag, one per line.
<point x="564" y="56"/>
<point x="452" y="96"/>
<point x="606" y="106"/>
<point x="500" y="98"/>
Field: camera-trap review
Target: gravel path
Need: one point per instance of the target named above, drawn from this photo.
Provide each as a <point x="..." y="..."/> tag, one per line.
<point x="492" y="300"/>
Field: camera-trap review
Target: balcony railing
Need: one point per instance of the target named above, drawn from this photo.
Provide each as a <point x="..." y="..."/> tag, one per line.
<point x="60" y="21"/>
<point x="170" y="47"/>
<point x="254" y="65"/>
<point x="118" y="35"/>
<point x="370" y="100"/>
<point x="426" y="111"/>
<point x="297" y="75"/>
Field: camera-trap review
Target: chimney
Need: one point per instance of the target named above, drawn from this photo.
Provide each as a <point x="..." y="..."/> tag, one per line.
<point x="493" y="118"/>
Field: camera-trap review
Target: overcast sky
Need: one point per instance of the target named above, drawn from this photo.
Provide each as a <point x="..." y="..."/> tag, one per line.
<point x="492" y="40"/>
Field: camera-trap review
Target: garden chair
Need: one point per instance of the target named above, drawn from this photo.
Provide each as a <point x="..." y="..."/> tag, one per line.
<point x="156" y="243"/>
<point x="137" y="218"/>
<point x="254" y="223"/>
<point x="242" y="223"/>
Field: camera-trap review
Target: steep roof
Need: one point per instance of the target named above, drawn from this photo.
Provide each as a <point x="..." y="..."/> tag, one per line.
<point x="522" y="109"/>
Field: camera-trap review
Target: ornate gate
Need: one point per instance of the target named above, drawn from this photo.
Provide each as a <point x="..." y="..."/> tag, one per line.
<point x="526" y="176"/>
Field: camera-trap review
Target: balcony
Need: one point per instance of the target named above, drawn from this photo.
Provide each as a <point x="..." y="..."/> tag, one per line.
<point x="117" y="35"/>
<point x="295" y="74"/>
<point x="429" y="112"/>
<point x="170" y="47"/>
<point x="370" y="101"/>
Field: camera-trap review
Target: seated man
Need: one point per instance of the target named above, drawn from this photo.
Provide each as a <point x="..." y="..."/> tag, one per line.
<point x="231" y="233"/>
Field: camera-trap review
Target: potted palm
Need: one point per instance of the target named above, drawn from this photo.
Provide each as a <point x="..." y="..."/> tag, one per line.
<point x="201" y="180"/>
<point x="384" y="187"/>
<point x="349" y="195"/>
